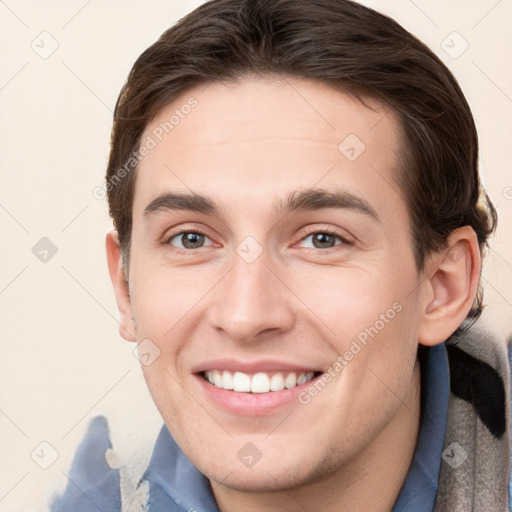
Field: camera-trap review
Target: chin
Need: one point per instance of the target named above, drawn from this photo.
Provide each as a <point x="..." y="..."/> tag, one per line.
<point x="272" y="474"/>
<point x="265" y="479"/>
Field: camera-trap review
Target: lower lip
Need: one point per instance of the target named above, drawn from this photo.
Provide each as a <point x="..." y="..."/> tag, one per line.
<point x="252" y="404"/>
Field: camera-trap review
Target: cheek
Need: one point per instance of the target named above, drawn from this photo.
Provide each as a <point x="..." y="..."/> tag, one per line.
<point x="162" y="297"/>
<point x="349" y="300"/>
<point x="370" y="319"/>
<point x="379" y="361"/>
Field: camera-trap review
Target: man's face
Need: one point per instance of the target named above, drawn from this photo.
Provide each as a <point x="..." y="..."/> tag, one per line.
<point x="283" y="293"/>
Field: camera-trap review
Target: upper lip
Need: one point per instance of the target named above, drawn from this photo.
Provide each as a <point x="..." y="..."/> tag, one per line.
<point x="263" y="365"/>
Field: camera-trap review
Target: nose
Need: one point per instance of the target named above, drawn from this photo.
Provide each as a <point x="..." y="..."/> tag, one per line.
<point x="251" y="302"/>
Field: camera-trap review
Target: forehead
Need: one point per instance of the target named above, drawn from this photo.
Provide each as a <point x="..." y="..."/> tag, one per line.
<point x="267" y="137"/>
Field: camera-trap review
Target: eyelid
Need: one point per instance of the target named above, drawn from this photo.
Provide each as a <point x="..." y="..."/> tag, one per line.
<point x="343" y="236"/>
<point x="181" y="228"/>
<point x="166" y="239"/>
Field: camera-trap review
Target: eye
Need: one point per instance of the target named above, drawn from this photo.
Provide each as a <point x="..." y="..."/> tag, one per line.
<point x="188" y="240"/>
<point x="326" y="239"/>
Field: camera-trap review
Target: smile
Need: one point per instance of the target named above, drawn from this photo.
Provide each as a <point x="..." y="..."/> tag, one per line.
<point x="261" y="382"/>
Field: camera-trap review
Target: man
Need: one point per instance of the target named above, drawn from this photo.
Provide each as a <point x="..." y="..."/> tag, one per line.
<point x="299" y="228"/>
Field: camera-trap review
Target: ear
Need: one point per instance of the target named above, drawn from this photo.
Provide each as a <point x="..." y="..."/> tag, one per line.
<point x="121" y="289"/>
<point x="450" y="288"/>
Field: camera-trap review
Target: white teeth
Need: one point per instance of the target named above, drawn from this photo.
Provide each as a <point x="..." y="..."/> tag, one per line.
<point x="290" y="381"/>
<point x="241" y="382"/>
<point x="217" y="378"/>
<point x="260" y="382"/>
<point x="227" y="380"/>
<point x="277" y="382"/>
<point x="301" y="379"/>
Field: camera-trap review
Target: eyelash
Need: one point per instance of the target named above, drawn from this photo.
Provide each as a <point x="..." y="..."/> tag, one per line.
<point x="167" y="241"/>
<point x="344" y="240"/>
<point x="186" y="252"/>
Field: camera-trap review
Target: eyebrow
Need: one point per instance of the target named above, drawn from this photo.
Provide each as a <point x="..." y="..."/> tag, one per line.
<point x="312" y="199"/>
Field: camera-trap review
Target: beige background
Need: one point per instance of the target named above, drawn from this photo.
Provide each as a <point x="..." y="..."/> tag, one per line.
<point x="62" y="360"/>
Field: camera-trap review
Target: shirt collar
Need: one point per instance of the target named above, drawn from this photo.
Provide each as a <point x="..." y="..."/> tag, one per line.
<point x="173" y="480"/>
<point x="420" y="487"/>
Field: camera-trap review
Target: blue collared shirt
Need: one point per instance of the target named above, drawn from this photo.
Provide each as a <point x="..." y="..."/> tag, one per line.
<point x="176" y="485"/>
<point x="419" y="491"/>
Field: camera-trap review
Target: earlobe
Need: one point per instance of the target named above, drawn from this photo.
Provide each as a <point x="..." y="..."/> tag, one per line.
<point x="120" y="284"/>
<point x="452" y="286"/>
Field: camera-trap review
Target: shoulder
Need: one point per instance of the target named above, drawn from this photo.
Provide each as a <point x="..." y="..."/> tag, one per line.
<point x="478" y="423"/>
<point x="101" y="478"/>
<point x="92" y="483"/>
<point x="119" y="480"/>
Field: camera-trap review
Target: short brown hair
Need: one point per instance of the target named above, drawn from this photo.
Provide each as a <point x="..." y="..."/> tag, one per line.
<point x="337" y="42"/>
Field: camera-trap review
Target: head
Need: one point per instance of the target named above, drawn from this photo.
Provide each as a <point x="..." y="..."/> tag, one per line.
<point x="291" y="119"/>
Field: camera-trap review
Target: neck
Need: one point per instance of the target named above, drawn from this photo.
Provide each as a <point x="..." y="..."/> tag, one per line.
<point x="371" y="481"/>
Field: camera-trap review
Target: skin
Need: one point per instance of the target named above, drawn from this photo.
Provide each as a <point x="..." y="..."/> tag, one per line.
<point x="247" y="145"/>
